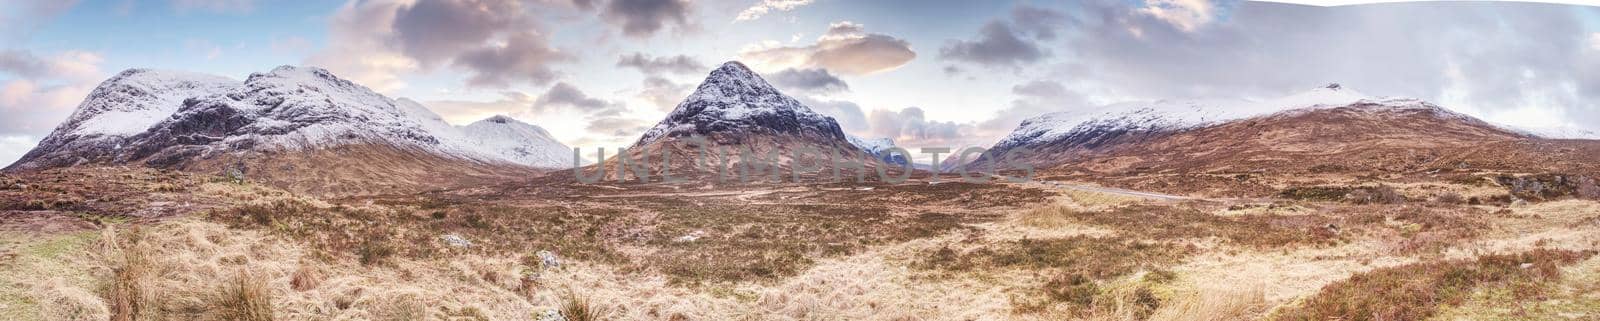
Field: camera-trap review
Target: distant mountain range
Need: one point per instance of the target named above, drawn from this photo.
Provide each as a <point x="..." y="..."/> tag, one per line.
<point x="1325" y="129"/>
<point x="310" y="130"/>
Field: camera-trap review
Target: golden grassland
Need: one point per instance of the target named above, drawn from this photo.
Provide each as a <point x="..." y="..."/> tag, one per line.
<point x="251" y="252"/>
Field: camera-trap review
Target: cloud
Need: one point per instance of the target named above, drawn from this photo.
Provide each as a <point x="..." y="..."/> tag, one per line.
<point x="1040" y="22"/>
<point x="997" y="45"/>
<point x="642" y="18"/>
<point x="910" y="127"/>
<point x="849" y="115"/>
<point x="1034" y="98"/>
<point x="1187" y="15"/>
<point x="565" y="95"/>
<point x="362" y="48"/>
<point x="525" y="56"/>
<point x="679" y="64"/>
<point x="510" y="103"/>
<point x="12" y="147"/>
<point x="584" y="5"/>
<point x="219" y="6"/>
<point x="497" y="42"/>
<point x="813" y="81"/>
<point x="663" y="93"/>
<point x="41" y="91"/>
<point x="617" y="127"/>
<point x="436" y="31"/>
<point x="846" y="48"/>
<point x="21" y="17"/>
<point x="765" y="6"/>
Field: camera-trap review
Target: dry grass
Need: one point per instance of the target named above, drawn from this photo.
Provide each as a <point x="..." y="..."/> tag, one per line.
<point x="128" y="291"/>
<point x="736" y="241"/>
<point x="1168" y="223"/>
<point x="244" y="297"/>
<point x="1417" y="291"/>
<point x="1220" y="304"/>
<point x="577" y="308"/>
<point x="1576" y="296"/>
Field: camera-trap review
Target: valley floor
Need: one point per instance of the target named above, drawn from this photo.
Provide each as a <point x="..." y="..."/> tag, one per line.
<point x="141" y="244"/>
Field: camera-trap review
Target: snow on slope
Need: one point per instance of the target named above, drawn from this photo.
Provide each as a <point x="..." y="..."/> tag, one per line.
<point x="1562" y="132"/>
<point x="733" y="99"/>
<point x="878" y="147"/>
<point x="1177" y="115"/>
<point x="133" y="100"/>
<point x="178" y="115"/>
<point x="518" y="141"/>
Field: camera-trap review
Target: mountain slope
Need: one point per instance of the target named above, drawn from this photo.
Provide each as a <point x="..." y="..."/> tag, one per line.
<point x="739" y="113"/>
<point x="210" y="123"/>
<point x="733" y="104"/>
<point x="519" y="142"/>
<point x="1325" y="129"/>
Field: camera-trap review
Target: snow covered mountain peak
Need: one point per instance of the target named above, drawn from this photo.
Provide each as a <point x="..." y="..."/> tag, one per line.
<point x="135" y="99"/>
<point x="733" y="99"/>
<point x="878" y="148"/>
<point x="521" y="142"/>
<point x="168" y="118"/>
<point x="1169" y="115"/>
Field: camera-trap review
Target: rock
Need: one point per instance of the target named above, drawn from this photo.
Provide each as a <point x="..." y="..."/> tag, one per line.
<point x="1526" y="266"/>
<point x="548" y="259"/>
<point x="550" y="315"/>
<point x="691" y="237"/>
<point x="456" y="241"/>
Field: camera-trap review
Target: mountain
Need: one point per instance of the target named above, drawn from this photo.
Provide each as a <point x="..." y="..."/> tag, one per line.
<point x="519" y="142"/>
<point x="878" y="148"/>
<point x="734" y="108"/>
<point x="734" y="104"/>
<point x="285" y="125"/>
<point x="1325" y="129"/>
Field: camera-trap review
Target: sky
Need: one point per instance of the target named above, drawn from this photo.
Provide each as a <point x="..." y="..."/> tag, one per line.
<point x="927" y="73"/>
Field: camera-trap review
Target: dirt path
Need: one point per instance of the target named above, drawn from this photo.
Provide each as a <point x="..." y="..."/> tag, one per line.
<point x="1113" y="191"/>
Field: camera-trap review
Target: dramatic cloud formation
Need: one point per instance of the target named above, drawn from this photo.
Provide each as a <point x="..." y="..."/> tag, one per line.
<point x="811" y="81"/>
<point x="679" y="64"/>
<point x="765" y="6"/>
<point x="497" y="42"/>
<point x="642" y="18"/>
<point x="524" y="56"/>
<point x="846" y="48"/>
<point x="997" y="45"/>
<point x="911" y="127"/>
<point x="1002" y="43"/>
<point x="1493" y="59"/>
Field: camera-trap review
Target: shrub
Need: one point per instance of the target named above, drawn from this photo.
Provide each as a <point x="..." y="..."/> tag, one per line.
<point x="244" y="298"/>
<point x="1382" y="194"/>
<point x="1316" y="193"/>
<point x="1449" y="198"/>
<point x="305" y="278"/>
<point x="375" y="251"/>
<point x="577" y="308"/>
<point x="1073" y="288"/>
<point x="1415" y="291"/>
<point x="127" y="294"/>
